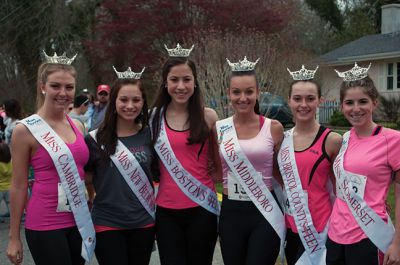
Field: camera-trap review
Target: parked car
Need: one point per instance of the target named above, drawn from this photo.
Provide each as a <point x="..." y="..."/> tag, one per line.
<point x="275" y="107"/>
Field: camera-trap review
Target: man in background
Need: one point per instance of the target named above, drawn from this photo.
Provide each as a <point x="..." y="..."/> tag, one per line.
<point x="103" y="96"/>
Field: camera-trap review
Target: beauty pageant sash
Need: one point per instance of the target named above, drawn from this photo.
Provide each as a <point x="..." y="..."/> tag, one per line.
<point x="313" y="242"/>
<point x="133" y="174"/>
<point x="244" y="172"/>
<point x="192" y="187"/>
<point x="377" y="230"/>
<point x="71" y="182"/>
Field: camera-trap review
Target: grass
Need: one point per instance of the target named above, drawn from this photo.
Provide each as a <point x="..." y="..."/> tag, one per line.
<point x="391" y="202"/>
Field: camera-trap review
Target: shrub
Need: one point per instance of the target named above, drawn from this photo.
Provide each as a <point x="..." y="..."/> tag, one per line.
<point x="338" y="119"/>
<point x="390" y="107"/>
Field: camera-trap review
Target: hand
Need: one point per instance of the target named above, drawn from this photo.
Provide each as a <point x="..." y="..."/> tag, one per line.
<point x="392" y="256"/>
<point x="14" y="251"/>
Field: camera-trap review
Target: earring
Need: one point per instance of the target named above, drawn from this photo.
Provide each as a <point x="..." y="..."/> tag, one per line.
<point x="43" y="92"/>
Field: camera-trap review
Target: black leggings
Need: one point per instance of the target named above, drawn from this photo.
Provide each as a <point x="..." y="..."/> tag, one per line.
<point x="186" y="236"/>
<point x="294" y="247"/>
<point x="363" y="252"/>
<point x="123" y="247"/>
<point x="61" y="246"/>
<point x="245" y="236"/>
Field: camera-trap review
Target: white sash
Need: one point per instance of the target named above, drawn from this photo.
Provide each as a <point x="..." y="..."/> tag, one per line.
<point x="377" y="230"/>
<point x="133" y="174"/>
<point x="245" y="173"/>
<point x="313" y="242"/>
<point x="70" y="180"/>
<point x="192" y="187"/>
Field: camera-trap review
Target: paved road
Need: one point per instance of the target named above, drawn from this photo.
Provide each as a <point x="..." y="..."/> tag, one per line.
<point x="28" y="258"/>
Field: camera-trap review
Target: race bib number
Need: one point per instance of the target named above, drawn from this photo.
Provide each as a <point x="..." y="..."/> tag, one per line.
<point x="235" y="190"/>
<point x="358" y="183"/>
<point x="63" y="203"/>
<point x="286" y="205"/>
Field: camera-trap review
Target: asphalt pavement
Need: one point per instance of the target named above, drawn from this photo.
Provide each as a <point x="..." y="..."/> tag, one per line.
<point x="4" y="227"/>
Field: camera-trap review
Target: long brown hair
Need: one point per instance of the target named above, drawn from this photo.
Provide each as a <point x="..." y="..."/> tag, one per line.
<point x="199" y="130"/>
<point x="107" y="132"/>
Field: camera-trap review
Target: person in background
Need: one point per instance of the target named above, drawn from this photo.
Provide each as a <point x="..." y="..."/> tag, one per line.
<point x="89" y="112"/>
<point x="81" y="104"/>
<point x="5" y="178"/>
<point x="13" y="111"/>
<point x="103" y="96"/>
<point x="367" y="164"/>
<point x="2" y="125"/>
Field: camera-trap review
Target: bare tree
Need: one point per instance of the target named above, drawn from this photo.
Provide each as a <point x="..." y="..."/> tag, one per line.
<point x="214" y="46"/>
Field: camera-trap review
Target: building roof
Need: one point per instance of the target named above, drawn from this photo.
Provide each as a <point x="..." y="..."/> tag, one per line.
<point x="367" y="48"/>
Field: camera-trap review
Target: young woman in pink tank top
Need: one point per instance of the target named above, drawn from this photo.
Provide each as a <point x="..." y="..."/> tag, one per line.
<point x="52" y="234"/>
<point x="373" y="159"/>
<point x="315" y="149"/>
<point x="246" y="236"/>
<point x="186" y="232"/>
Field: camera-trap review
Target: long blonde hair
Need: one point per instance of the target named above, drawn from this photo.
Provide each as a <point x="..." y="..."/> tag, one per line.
<point x="46" y="69"/>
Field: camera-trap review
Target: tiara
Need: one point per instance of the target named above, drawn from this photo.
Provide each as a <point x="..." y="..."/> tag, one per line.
<point x="355" y="73"/>
<point x="242" y="66"/>
<point x="128" y="74"/>
<point x="179" y="51"/>
<point x="63" y="59"/>
<point x="303" y="73"/>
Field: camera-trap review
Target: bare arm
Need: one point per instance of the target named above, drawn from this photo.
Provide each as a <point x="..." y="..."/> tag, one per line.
<point x="392" y="256"/>
<point x="22" y="142"/>
<point x="277" y="137"/>
<point x="332" y="147"/>
<point x="90" y="188"/>
<point x="214" y="160"/>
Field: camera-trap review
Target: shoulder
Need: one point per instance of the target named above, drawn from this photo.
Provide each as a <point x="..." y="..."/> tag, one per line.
<point x="91" y="143"/>
<point x="390" y="132"/>
<point x="79" y="125"/>
<point x="276" y="131"/>
<point x="392" y="136"/>
<point x="333" y="142"/>
<point x="24" y="136"/>
<point x="276" y="127"/>
<point x="21" y="130"/>
<point x="210" y="116"/>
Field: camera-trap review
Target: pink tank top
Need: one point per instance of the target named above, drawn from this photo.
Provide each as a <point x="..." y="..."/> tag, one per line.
<point x="41" y="214"/>
<point x="314" y="165"/>
<point x="259" y="150"/>
<point x="194" y="158"/>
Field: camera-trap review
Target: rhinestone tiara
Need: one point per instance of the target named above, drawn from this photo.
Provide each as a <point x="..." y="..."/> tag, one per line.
<point x="242" y="66"/>
<point x="63" y="59"/>
<point x="355" y="73"/>
<point x="129" y="74"/>
<point x="179" y="51"/>
<point x="303" y="73"/>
